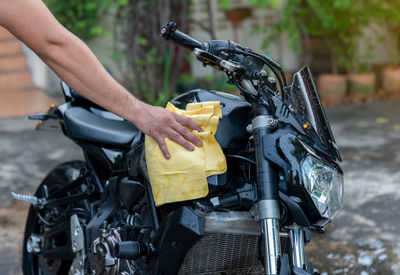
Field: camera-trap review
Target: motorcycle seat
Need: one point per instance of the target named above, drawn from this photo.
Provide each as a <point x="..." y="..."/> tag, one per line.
<point x="81" y="124"/>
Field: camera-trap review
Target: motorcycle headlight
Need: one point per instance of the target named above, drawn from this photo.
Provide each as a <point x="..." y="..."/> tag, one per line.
<point x="324" y="184"/>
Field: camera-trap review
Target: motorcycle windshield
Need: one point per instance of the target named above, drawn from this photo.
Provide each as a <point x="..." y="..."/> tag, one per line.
<point x="306" y="100"/>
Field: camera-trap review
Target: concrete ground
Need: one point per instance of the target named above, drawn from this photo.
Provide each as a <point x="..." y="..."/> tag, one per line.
<point x="364" y="238"/>
<point x="26" y="156"/>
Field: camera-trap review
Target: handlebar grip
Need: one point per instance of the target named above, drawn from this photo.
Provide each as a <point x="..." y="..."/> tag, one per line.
<point x="170" y="32"/>
<point x="216" y="46"/>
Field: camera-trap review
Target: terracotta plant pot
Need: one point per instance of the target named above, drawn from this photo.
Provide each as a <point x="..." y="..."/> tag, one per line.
<point x="391" y="80"/>
<point x="362" y="87"/>
<point x="332" y="88"/>
<point x="363" y="84"/>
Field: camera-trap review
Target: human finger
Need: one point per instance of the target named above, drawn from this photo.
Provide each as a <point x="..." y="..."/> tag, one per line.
<point x="188" y="122"/>
<point x="178" y="138"/>
<point x="188" y="135"/>
<point x="163" y="147"/>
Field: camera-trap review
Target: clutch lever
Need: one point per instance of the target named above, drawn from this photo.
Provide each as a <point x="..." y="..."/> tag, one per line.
<point x="215" y="61"/>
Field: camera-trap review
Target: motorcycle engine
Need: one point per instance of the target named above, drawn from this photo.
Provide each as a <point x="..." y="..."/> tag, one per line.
<point x="104" y="261"/>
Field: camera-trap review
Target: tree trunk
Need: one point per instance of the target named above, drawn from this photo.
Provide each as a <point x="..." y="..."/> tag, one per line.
<point x="144" y="53"/>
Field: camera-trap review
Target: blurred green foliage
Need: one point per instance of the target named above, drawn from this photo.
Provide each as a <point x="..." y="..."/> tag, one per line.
<point x="84" y="18"/>
<point x="81" y="17"/>
<point x="146" y="63"/>
<point x="340" y="23"/>
<point x="225" y="4"/>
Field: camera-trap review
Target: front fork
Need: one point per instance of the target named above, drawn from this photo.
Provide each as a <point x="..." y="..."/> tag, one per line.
<point x="268" y="196"/>
<point x="268" y="204"/>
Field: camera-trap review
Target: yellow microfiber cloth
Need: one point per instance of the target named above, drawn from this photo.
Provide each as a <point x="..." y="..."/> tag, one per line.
<point x="184" y="175"/>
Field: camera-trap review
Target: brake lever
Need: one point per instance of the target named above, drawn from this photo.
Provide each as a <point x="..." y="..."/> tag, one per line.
<point x="233" y="70"/>
<point x="215" y="61"/>
<point x="207" y="58"/>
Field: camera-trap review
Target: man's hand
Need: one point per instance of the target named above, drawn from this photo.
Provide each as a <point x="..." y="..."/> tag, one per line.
<point x="161" y="124"/>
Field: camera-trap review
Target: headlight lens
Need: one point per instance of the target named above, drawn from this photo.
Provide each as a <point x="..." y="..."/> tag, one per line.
<point x="324" y="184"/>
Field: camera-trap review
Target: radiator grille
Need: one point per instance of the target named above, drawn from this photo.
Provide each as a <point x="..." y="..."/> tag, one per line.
<point x="226" y="253"/>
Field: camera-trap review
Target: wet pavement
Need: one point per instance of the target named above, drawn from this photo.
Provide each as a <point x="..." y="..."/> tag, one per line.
<point x="364" y="238"/>
<point x="26" y="156"/>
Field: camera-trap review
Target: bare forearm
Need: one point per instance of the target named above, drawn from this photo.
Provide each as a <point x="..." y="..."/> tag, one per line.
<point x="72" y="60"/>
<point x="67" y="55"/>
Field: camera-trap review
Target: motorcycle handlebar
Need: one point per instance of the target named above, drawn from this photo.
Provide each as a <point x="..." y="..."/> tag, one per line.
<point x="170" y="32"/>
<point x="215" y="47"/>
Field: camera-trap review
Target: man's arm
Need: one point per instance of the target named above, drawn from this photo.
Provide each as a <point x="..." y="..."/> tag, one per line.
<point x="31" y="22"/>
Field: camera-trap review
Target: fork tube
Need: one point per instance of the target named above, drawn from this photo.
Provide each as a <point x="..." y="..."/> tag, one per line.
<point x="296" y="236"/>
<point x="272" y="250"/>
<point x="268" y="196"/>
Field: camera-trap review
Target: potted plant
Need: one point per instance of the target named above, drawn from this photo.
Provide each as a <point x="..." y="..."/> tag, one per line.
<point x="361" y="83"/>
<point x="340" y="25"/>
<point x="391" y="80"/>
<point x="390" y="75"/>
<point x="383" y="19"/>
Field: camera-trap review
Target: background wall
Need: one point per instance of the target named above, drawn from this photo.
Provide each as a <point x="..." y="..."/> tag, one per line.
<point x="224" y="30"/>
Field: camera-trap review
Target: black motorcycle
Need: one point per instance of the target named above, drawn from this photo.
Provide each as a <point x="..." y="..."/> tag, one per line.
<point x="283" y="182"/>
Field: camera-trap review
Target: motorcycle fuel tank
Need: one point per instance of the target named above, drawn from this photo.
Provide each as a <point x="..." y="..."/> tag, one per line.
<point x="236" y="114"/>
